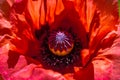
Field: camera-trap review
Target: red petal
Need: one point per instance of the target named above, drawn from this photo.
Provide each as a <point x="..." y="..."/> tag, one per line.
<point x="20" y="48"/>
<point x="103" y="22"/>
<point x="86" y="73"/>
<point x="32" y="13"/>
<point x="107" y="42"/>
<point x="13" y="59"/>
<point x="5" y="7"/>
<point x="36" y="73"/>
<point x="85" y="55"/>
<point x="19" y="6"/>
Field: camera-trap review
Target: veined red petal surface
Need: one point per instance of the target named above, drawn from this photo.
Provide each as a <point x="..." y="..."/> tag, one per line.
<point x="25" y="25"/>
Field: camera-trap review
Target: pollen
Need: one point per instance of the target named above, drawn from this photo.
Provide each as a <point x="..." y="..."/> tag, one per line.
<point x="60" y="43"/>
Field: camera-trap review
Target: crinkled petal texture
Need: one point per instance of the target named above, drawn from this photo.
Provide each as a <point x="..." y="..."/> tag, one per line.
<point x="96" y="18"/>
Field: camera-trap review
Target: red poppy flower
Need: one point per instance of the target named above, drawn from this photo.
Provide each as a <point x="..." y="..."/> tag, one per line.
<point x="59" y="40"/>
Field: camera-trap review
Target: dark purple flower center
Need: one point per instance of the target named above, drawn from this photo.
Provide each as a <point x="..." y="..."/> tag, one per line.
<point x="65" y="42"/>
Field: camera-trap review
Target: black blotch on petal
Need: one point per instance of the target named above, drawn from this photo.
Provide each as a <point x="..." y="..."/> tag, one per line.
<point x="43" y="30"/>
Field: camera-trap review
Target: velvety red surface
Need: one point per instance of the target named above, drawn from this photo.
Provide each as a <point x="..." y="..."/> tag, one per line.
<point x="98" y="19"/>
